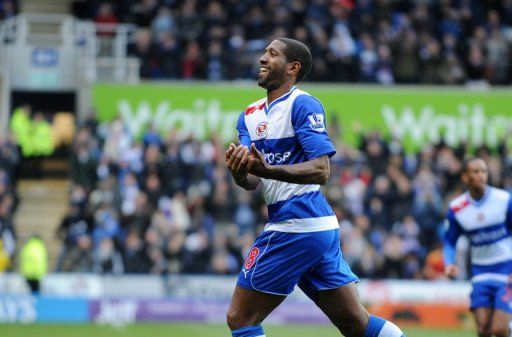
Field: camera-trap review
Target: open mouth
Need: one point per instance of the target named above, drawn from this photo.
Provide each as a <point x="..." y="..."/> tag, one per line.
<point x="263" y="70"/>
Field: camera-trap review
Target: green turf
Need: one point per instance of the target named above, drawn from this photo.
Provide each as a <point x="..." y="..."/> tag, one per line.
<point x="190" y="330"/>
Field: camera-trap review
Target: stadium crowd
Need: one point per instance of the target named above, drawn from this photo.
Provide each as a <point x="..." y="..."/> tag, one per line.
<point x="383" y="41"/>
<point x="169" y="205"/>
<point x="10" y="160"/>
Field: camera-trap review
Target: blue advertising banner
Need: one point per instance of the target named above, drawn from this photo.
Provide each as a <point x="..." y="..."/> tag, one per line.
<point x="62" y="310"/>
<point x="41" y="309"/>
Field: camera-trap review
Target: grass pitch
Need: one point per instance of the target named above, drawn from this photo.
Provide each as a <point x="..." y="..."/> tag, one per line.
<point x="191" y="330"/>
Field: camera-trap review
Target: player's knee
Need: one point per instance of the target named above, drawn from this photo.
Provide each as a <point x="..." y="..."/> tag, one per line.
<point x="351" y="328"/>
<point x="231" y="319"/>
<point x="236" y="320"/>
<point x="483" y="330"/>
<point x="500" y="330"/>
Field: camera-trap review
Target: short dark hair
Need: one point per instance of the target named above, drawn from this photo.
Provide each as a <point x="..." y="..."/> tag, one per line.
<point x="297" y="51"/>
<point x="467" y="161"/>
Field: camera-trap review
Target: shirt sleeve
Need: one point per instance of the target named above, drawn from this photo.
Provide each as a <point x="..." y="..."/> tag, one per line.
<point x="451" y="235"/>
<point x="243" y="133"/>
<point x="308" y="120"/>
<point x="509" y="213"/>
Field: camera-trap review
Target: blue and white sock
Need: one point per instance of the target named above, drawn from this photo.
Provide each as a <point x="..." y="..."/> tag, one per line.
<point x="249" y="331"/>
<point x="378" y="327"/>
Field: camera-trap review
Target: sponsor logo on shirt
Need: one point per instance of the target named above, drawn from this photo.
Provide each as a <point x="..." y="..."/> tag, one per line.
<point x="484" y="237"/>
<point x="276" y="157"/>
<point x="317" y="122"/>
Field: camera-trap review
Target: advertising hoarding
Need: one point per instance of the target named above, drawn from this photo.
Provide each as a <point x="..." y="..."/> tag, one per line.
<point x="414" y="115"/>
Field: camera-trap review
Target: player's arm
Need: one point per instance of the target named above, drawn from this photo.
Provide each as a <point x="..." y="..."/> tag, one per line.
<point x="315" y="171"/>
<point x="508" y="220"/>
<point x="237" y="160"/>
<point x="451" y="235"/>
<point x="509" y="213"/>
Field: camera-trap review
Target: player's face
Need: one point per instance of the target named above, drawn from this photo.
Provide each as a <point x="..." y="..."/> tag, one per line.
<point x="273" y="66"/>
<point x="476" y="175"/>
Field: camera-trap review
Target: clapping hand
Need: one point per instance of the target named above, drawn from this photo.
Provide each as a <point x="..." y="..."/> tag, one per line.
<point x="237" y="160"/>
<point x="257" y="162"/>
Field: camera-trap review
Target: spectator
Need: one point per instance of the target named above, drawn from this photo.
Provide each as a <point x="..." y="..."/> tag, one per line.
<point x="434" y="264"/>
<point x="476" y="67"/>
<point x="107" y="260"/>
<point x="5" y="260"/>
<point x="192" y="66"/>
<point x="163" y="23"/>
<point x="135" y="257"/>
<point x="169" y="56"/>
<point x="368" y="59"/>
<point x="8" y="9"/>
<point x="144" y="11"/>
<point x="72" y="227"/>
<point x="405" y="59"/>
<point x="34" y="263"/>
<point x="189" y="20"/>
<point x="144" y="49"/>
<point x="106" y="23"/>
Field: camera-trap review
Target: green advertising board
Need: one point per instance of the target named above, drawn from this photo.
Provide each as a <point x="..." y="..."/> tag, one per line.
<point x="415" y="115"/>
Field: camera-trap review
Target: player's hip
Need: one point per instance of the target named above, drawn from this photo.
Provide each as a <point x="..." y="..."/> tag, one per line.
<point x="279" y="260"/>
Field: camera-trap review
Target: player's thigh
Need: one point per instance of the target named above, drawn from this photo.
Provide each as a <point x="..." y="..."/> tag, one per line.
<point x="502" y="310"/>
<point x="483" y="320"/>
<point x="330" y="272"/>
<point x="278" y="260"/>
<point x="250" y="307"/>
<point x="500" y="323"/>
<point x="343" y="308"/>
<point x="482" y="297"/>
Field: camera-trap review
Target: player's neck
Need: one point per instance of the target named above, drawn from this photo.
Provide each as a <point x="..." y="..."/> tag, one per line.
<point x="477" y="194"/>
<point x="278" y="92"/>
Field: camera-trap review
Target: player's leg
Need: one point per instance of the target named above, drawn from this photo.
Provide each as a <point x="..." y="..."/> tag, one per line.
<point x="270" y="272"/>
<point x="483" y="301"/>
<point x="483" y="321"/>
<point x="500" y="323"/>
<point x="500" y="326"/>
<point x="248" y="309"/>
<point x="331" y="285"/>
<point x="343" y="308"/>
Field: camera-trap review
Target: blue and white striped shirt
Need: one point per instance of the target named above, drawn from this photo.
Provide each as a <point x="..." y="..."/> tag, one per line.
<point x="290" y="130"/>
<point x="487" y="223"/>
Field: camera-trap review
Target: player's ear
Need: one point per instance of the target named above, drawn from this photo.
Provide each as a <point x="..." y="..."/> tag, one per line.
<point x="464" y="178"/>
<point x="294" y="68"/>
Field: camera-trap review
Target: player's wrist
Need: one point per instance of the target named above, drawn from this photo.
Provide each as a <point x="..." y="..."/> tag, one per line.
<point x="240" y="179"/>
<point x="267" y="171"/>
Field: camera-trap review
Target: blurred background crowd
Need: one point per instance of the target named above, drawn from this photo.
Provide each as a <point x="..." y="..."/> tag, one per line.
<point x="166" y="204"/>
<point x="381" y="41"/>
<point x="169" y="205"/>
<point x="8" y="9"/>
<point x="10" y="160"/>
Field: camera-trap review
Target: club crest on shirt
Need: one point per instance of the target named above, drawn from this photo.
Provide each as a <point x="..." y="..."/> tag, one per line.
<point x="317" y="122"/>
<point x="480" y="217"/>
<point x="261" y="129"/>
